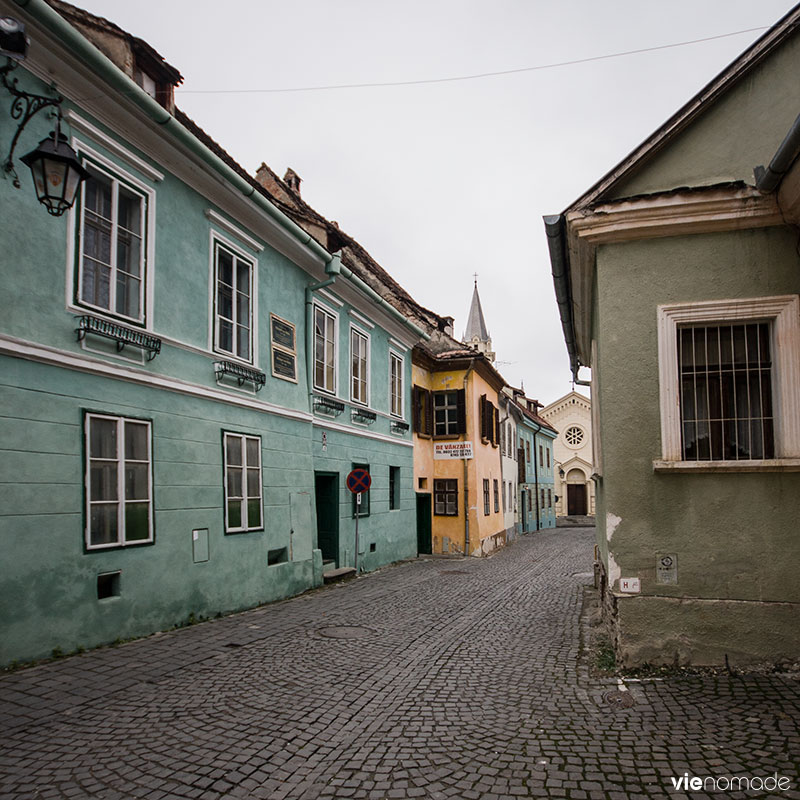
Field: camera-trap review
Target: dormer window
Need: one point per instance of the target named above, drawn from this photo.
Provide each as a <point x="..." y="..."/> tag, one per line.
<point x="146" y="82"/>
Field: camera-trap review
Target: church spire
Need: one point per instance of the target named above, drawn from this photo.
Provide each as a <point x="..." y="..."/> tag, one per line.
<point x="476" y="333"/>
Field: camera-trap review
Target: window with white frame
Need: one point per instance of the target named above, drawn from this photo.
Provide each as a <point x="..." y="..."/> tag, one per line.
<point x="730" y="381"/>
<point x="395" y="384"/>
<point x="112" y="245"/>
<point x="243" y="496"/>
<point x="119" y="481"/>
<point x="233" y="312"/>
<point x="324" y="350"/>
<point x="359" y="366"/>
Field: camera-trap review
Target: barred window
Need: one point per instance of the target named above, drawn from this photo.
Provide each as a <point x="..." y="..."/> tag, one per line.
<point x="726" y="392"/>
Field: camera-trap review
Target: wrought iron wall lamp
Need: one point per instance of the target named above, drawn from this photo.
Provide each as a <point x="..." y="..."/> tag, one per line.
<point x="56" y="171"/>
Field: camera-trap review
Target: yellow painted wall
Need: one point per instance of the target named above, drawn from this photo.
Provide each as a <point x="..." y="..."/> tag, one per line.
<point x="448" y="533"/>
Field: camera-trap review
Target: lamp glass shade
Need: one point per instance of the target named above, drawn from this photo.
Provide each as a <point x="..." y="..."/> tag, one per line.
<point x="57" y="173"/>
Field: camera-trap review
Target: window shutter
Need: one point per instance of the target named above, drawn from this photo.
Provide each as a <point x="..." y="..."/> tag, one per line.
<point x="482" y="411"/>
<point x="521" y="465"/>
<point x="496" y="440"/>
<point x="461" y="405"/>
<point x="427" y="400"/>
<point x="416" y="400"/>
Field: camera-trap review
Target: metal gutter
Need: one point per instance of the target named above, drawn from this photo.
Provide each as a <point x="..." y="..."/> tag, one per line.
<point x="556" y="228"/>
<point x="767" y="180"/>
<point x="109" y="72"/>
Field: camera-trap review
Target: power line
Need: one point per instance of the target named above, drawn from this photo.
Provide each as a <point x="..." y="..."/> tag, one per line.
<point x="477" y="76"/>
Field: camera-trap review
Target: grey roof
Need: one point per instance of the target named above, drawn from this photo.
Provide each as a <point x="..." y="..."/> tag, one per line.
<point x="476" y="324"/>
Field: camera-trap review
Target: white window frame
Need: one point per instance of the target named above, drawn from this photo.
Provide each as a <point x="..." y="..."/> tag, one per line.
<point x="117" y="177"/>
<point x="783" y="314"/>
<point x="218" y="242"/>
<point x="244" y="466"/>
<point x="120" y="460"/>
<point x="397" y="409"/>
<point x="334" y="342"/>
<point x="354" y="329"/>
<point x="91" y="157"/>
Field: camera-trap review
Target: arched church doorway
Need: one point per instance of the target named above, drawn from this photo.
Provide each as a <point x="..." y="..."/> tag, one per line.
<point x="577" y="495"/>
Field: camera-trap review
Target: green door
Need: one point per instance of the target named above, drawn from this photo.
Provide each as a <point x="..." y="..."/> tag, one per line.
<point x="326" y="491"/>
<point x="424" y="530"/>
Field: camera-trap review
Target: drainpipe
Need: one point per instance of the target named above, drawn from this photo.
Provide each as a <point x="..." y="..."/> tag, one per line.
<point x="466" y="468"/>
<point x="332" y="268"/>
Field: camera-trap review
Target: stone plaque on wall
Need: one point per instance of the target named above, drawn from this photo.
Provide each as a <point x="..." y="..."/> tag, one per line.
<point x="666" y="568"/>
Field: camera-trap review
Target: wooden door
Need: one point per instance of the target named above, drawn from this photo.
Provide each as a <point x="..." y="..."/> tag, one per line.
<point x="576" y="499"/>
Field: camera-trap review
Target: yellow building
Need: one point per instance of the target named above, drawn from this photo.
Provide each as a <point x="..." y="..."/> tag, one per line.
<point x="457" y="466"/>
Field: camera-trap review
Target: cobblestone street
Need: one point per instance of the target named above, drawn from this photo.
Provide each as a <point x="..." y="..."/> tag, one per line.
<point x="441" y="678"/>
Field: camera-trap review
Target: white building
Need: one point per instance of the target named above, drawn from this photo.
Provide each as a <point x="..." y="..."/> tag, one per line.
<point x="571" y="415"/>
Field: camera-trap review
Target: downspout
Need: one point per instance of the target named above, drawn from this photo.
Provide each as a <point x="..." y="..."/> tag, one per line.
<point x="555" y="227"/>
<point x="332" y="268"/>
<point x="767" y="180"/>
<point x="466" y="468"/>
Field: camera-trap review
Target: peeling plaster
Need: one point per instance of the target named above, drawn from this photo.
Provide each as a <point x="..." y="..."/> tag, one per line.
<point x="614" y="570"/>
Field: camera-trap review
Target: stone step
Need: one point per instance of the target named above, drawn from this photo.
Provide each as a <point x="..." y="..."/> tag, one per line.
<point x="341" y="574"/>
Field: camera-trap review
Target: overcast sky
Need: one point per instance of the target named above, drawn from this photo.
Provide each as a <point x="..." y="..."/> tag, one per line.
<point x="442" y="180"/>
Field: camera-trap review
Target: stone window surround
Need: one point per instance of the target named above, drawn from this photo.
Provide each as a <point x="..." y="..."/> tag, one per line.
<point x="784" y="314"/>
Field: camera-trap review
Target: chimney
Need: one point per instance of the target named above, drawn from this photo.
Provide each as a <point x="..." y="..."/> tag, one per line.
<point x="446" y="325"/>
<point x="292" y="180"/>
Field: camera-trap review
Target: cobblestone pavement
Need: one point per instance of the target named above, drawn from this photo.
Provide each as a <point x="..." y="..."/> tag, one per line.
<point x="439" y="679"/>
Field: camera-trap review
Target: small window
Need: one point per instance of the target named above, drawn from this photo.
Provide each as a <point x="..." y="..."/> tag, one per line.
<point x="359" y="367"/>
<point x="549" y="498"/>
<point x="243" y="495"/>
<point x="108" y="585"/>
<point x="361" y="509"/>
<point x="496" y="490"/>
<point x="528" y="452"/>
<point x="119" y="482"/>
<point x="277" y="556"/>
<point x="394" y="488"/>
<point x="324" y="350"/>
<point x="395" y="384"/>
<point x="541" y="497"/>
<point x="487" y="509"/>
<point x="547" y="452"/>
<point x="233" y="328"/>
<point x="541" y="456"/>
<point x="112" y="240"/>
<point x="504" y="496"/>
<point x="445" y="498"/>
<point x="448" y="413"/>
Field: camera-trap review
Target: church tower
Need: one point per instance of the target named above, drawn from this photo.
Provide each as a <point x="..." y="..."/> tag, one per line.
<point x="477" y="335"/>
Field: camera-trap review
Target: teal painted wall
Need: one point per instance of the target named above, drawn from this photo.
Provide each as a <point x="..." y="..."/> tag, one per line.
<point x="537" y="478"/>
<point x="48" y="583"/>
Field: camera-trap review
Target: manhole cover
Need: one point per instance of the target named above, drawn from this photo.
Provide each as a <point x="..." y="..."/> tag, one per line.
<point x="617" y="699"/>
<point x="345" y="632"/>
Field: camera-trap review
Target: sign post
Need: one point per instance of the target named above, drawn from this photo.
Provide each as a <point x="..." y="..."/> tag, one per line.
<point x="358" y="482"/>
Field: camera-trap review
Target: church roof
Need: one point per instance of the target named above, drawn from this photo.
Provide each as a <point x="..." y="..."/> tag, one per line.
<point x="476" y="324"/>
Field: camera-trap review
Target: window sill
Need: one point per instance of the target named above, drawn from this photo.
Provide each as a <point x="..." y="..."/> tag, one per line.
<point x="765" y="465"/>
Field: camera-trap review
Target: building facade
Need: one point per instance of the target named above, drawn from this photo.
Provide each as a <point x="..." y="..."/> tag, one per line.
<point x="536" y="468"/>
<point x="572" y="449"/>
<point x="457" y="463"/>
<point x="187" y="377"/>
<point x="678" y="280"/>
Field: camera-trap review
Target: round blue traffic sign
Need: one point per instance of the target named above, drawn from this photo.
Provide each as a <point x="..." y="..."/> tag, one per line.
<point x="358" y="481"/>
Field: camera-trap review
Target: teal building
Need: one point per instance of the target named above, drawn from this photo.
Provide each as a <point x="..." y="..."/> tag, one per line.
<point x="187" y="375"/>
<point x="535" y="484"/>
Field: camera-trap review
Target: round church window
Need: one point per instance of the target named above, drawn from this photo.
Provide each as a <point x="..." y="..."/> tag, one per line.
<point x="574" y="436"/>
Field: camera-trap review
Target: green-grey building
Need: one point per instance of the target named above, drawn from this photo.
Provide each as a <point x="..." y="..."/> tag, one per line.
<point x="187" y="375"/>
<point x="678" y="282"/>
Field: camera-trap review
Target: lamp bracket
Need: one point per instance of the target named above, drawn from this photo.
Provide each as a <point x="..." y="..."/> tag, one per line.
<point x="24" y="106"/>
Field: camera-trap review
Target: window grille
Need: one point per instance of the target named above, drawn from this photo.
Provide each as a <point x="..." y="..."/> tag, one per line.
<point x="726" y="392"/>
